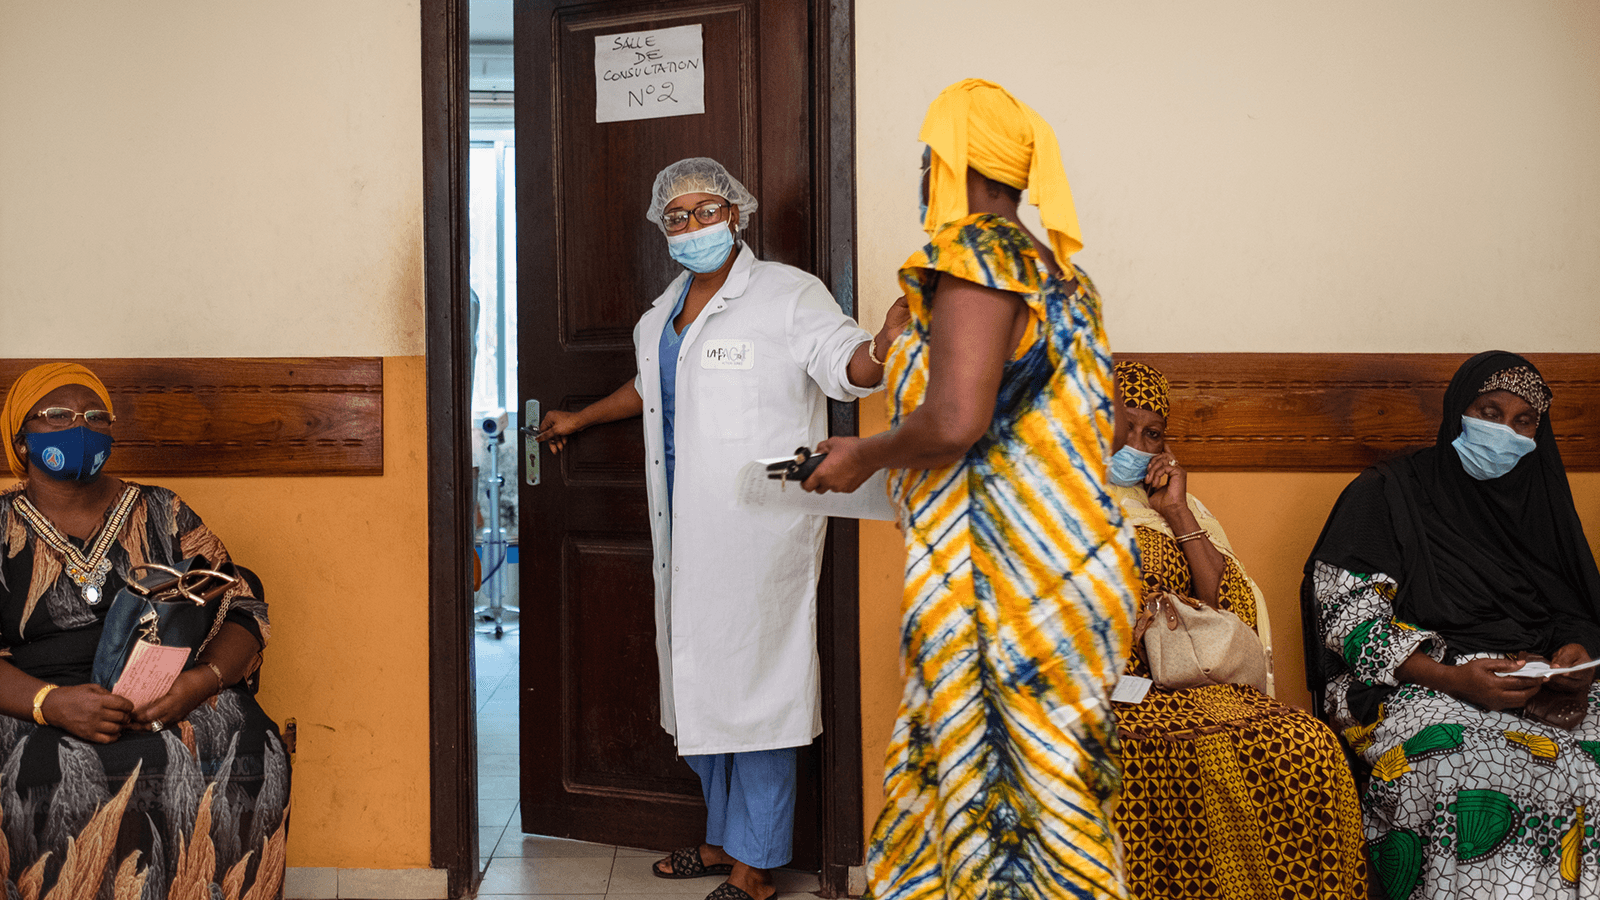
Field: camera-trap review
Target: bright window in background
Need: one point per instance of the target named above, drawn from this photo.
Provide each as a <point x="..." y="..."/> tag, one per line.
<point x="491" y="175"/>
<point x="492" y="275"/>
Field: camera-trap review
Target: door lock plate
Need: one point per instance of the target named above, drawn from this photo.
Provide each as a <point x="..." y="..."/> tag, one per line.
<point x="530" y="442"/>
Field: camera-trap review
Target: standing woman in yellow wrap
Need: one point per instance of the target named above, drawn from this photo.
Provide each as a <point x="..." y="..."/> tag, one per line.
<point x="1019" y="594"/>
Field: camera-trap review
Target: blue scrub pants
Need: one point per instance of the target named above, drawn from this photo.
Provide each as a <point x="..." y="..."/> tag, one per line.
<point x="750" y="803"/>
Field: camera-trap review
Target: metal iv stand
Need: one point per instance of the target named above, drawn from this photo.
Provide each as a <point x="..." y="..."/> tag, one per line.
<point x="492" y="617"/>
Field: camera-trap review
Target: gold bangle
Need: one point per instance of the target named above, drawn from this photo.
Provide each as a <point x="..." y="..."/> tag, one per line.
<point x="221" y="685"/>
<point x="1193" y="535"/>
<point x="38" y="703"/>
<point x="872" y="352"/>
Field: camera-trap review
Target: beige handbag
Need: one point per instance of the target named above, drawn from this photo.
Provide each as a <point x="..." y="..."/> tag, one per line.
<point x="1187" y="646"/>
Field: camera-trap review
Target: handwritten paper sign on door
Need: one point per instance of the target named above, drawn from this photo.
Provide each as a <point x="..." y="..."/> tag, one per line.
<point x="649" y="74"/>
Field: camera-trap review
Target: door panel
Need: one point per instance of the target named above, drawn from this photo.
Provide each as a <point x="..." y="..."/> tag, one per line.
<point x="596" y="764"/>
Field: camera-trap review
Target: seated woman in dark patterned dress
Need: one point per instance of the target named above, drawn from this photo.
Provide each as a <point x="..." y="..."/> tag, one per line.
<point x="1226" y="791"/>
<point x="184" y="795"/>
<point x="1440" y="578"/>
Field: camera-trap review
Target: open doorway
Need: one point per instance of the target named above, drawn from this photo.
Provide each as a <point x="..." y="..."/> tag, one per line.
<point x="491" y="328"/>
<point x="464" y="832"/>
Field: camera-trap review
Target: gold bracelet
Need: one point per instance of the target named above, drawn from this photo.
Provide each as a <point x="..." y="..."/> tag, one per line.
<point x="221" y="686"/>
<point x="1190" y="536"/>
<point x="38" y="703"/>
<point x="872" y="352"/>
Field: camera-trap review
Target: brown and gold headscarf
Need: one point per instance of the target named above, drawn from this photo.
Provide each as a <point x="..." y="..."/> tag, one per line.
<point x="1523" y="381"/>
<point x="1144" y="387"/>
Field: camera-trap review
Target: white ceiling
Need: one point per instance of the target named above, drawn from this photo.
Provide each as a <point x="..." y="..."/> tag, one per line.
<point x="490" y="21"/>
<point x="490" y="31"/>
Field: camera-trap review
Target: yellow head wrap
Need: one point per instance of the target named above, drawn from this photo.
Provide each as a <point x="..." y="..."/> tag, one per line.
<point x="31" y="387"/>
<point x="978" y="123"/>
<point x="1143" y="387"/>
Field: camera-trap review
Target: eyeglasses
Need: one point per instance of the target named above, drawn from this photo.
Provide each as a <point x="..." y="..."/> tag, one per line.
<point x="61" y="417"/>
<point x="706" y="213"/>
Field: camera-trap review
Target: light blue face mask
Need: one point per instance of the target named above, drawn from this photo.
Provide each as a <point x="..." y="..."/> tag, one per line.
<point x="702" y="251"/>
<point x="923" y="186"/>
<point x="1128" y="466"/>
<point x="1489" y="449"/>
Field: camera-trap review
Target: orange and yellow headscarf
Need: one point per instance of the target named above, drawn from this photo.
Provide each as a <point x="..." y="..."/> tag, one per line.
<point x="30" y="388"/>
<point x="979" y="124"/>
<point x="1144" y="387"/>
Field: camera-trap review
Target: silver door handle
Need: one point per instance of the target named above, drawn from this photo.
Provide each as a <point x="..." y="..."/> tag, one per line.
<point x="530" y="441"/>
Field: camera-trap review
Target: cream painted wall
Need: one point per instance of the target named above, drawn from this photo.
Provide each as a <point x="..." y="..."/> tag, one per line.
<point x="1254" y="175"/>
<point x="193" y="178"/>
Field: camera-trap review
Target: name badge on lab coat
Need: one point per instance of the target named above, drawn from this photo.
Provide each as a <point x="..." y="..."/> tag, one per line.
<point x="728" y="354"/>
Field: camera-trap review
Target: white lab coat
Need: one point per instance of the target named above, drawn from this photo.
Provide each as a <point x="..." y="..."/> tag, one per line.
<point x="736" y="588"/>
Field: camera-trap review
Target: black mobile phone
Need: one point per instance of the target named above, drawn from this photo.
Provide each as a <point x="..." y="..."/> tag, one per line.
<point x="798" y="469"/>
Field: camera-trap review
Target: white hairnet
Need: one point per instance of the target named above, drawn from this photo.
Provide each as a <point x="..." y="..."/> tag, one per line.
<point x="698" y="175"/>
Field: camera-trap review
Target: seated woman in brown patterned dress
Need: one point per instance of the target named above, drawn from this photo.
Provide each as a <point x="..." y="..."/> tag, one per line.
<point x="1226" y="791"/>
<point x="179" y="795"/>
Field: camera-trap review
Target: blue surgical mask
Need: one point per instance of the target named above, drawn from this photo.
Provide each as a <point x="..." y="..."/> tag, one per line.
<point x="1489" y="449"/>
<point x="702" y="251"/>
<point x="75" y="454"/>
<point x="1128" y="466"/>
<point x="922" y="197"/>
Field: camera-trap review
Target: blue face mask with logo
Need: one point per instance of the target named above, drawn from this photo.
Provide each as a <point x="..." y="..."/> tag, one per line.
<point x="702" y="251"/>
<point x="1128" y="466"/>
<point x="75" y="454"/>
<point x="1489" y="449"/>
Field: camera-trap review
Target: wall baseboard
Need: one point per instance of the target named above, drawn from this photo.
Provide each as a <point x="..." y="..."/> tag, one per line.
<point x="313" y="883"/>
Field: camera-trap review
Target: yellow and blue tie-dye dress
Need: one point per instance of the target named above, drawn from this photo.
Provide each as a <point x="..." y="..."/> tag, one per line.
<point x="1018" y="604"/>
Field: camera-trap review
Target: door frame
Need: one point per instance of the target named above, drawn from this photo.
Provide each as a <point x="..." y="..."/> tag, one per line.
<point x="453" y="754"/>
<point x="453" y="758"/>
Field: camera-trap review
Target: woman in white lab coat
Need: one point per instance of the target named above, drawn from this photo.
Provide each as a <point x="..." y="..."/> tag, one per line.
<point x="737" y="359"/>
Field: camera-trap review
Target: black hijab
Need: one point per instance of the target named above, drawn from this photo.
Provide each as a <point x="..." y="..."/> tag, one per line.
<point x="1497" y="565"/>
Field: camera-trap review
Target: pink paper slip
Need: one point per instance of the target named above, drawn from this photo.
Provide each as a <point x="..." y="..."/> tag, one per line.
<point x="150" y="671"/>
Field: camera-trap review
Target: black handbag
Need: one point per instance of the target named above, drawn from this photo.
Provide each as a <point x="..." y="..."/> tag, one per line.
<point x="176" y="606"/>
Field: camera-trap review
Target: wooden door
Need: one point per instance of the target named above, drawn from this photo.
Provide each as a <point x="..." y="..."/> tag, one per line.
<point x="596" y="764"/>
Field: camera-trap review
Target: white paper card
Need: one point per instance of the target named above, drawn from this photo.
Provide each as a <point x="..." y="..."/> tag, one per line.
<point x="1537" y="669"/>
<point x="649" y="74"/>
<point x="1130" y="689"/>
<point x="755" y="489"/>
<point x="727" y="354"/>
<point x="150" y="671"/>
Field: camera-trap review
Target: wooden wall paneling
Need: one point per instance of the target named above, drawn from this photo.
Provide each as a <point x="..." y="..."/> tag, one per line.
<point x="1343" y="411"/>
<point x="240" y="417"/>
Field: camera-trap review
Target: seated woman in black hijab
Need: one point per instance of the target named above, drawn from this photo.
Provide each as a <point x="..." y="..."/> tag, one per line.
<point x="1436" y="575"/>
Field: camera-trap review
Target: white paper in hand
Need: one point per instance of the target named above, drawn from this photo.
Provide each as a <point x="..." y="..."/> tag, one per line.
<point x="755" y="489"/>
<point x="1538" y="669"/>
<point x="150" y="671"/>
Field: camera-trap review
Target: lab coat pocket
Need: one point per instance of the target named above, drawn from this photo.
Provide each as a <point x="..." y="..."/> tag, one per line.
<point x="728" y="404"/>
<point x="778" y="521"/>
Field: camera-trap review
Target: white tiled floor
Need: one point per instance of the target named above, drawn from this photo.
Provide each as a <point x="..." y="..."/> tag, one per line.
<point x="525" y="865"/>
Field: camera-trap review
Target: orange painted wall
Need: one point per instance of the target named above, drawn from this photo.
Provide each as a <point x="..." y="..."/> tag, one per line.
<point x="345" y="568"/>
<point x="1272" y="519"/>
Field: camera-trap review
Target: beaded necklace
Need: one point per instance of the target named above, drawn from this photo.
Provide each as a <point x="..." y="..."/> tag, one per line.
<point x="88" y="572"/>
